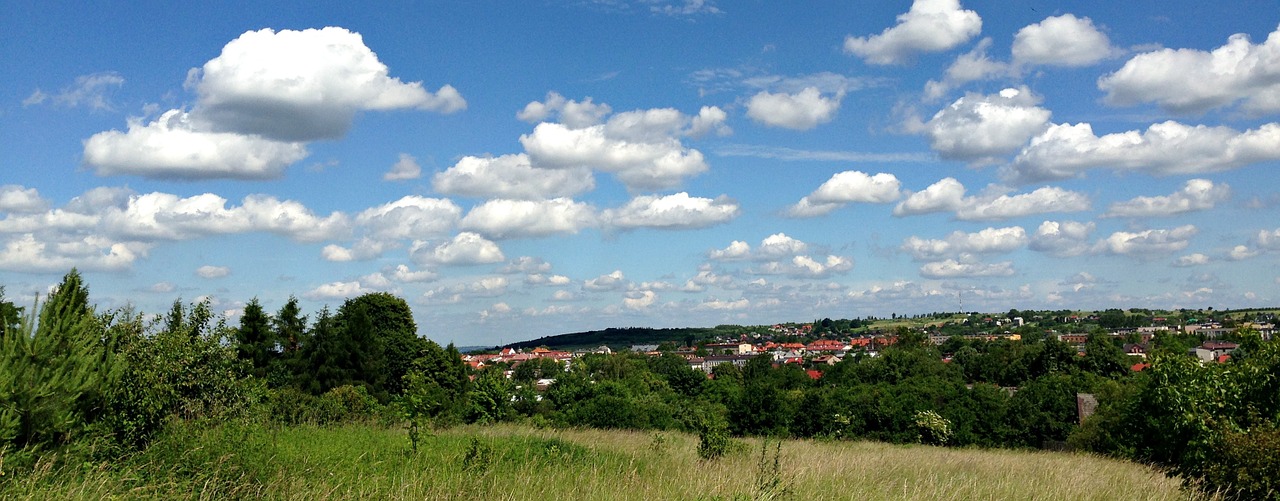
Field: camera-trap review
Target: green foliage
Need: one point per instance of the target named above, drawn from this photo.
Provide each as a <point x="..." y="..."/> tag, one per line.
<point x="10" y="314"/>
<point x="713" y="442"/>
<point x="188" y="370"/>
<point x="771" y="482"/>
<point x="255" y="340"/>
<point x="490" y="396"/>
<point x="479" y="456"/>
<point x="532" y="370"/>
<point x="934" y="429"/>
<point x="52" y="373"/>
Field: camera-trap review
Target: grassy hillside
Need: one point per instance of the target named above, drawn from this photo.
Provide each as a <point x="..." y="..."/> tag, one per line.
<point x="517" y="462"/>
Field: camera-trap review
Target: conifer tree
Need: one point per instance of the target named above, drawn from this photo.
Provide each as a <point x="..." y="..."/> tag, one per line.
<point x="51" y="371"/>
<point x="255" y="339"/>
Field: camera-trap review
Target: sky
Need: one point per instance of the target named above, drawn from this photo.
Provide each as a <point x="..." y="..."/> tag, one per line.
<point x="522" y="169"/>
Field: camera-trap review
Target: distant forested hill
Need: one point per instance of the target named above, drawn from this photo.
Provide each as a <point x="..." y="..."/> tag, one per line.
<point x="615" y="338"/>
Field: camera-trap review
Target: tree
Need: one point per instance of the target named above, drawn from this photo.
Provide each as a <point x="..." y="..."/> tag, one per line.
<point x="53" y="372"/>
<point x="382" y="341"/>
<point x="255" y="341"/>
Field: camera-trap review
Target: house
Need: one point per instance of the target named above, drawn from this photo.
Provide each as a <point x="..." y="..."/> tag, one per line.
<point x="1136" y="349"/>
<point x="1212" y="351"/>
<point x="710" y="362"/>
<point x="1073" y="338"/>
<point x="731" y="348"/>
<point x="827" y="346"/>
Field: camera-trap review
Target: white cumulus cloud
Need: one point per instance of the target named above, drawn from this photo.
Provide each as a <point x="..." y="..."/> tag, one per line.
<point x="1196" y="195"/>
<point x="981" y="128"/>
<point x="845" y="188"/>
<point x="511" y="177"/>
<point x="929" y="26"/>
<point x="1065" y="151"/>
<point x="1194" y="81"/>
<point x="258" y="103"/>
<point x="1148" y="243"/>
<point x="404" y="169"/>
<point x="802" y="111"/>
<point x="210" y="271"/>
<point x="1064" y="40"/>
<point x="529" y="218"/>
<point x="678" y="211"/>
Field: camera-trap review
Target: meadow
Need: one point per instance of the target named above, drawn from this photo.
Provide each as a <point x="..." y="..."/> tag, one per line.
<point x="508" y="461"/>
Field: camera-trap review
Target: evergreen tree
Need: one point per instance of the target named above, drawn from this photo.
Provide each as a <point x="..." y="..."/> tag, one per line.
<point x="52" y="372"/>
<point x="322" y="357"/>
<point x="255" y="340"/>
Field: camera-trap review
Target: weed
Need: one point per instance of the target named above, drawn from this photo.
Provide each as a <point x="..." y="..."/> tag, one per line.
<point x="479" y="456"/>
<point x="771" y="483"/>
<point x="659" y="443"/>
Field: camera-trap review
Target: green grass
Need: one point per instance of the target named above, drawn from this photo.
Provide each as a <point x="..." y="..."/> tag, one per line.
<point x="519" y="462"/>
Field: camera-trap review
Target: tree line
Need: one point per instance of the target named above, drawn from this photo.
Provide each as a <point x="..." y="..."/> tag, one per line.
<point x="71" y="375"/>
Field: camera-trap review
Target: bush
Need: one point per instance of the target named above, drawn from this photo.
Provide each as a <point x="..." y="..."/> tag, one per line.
<point x="934" y="429"/>
<point x="1247" y="464"/>
<point x="188" y="370"/>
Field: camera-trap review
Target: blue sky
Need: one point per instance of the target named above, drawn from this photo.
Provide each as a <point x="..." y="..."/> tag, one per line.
<point x="520" y="169"/>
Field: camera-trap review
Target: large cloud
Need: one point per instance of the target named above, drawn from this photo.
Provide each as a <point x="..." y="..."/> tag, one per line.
<point x="163" y="216"/>
<point x="465" y="248"/>
<point x="20" y="199"/>
<point x="930" y="26"/>
<point x="1197" y="194"/>
<point x="258" y="103"/>
<point x="845" y="188"/>
<point x="28" y="253"/>
<point x="172" y="146"/>
<point x="801" y="111"/>
<point x="653" y="164"/>
<point x="678" y="211"/>
<point x="512" y="177"/>
<point x="1148" y="243"/>
<point x="303" y="85"/>
<point x="980" y="128"/>
<point x="1194" y="81"/>
<point x="1064" y="40"/>
<point x="987" y="241"/>
<point x="1062" y="238"/>
<point x="502" y="218"/>
<point x="109" y="228"/>
<point x="945" y="195"/>
<point x="1065" y="151"/>
<point x="948" y="195"/>
<point x="1041" y="201"/>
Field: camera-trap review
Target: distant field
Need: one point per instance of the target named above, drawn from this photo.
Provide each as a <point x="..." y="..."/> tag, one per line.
<point x="518" y="462"/>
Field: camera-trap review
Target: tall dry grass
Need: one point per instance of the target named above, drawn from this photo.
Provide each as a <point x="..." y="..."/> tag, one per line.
<point x="511" y="462"/>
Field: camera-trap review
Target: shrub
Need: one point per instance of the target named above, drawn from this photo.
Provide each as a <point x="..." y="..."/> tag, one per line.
<point x="1247" y="464"/>
<point x="478" y="457"/>
<point x="934" y="429"/>
<point x="713" y="441"/>
<point x="188" y="370"/>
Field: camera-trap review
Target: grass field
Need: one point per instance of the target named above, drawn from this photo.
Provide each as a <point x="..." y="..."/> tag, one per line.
<point x="520" y="462"/>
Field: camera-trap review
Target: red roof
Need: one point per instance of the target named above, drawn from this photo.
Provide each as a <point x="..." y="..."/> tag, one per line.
<point x="813" y="374"/>
<point x="1139" y="367"/>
